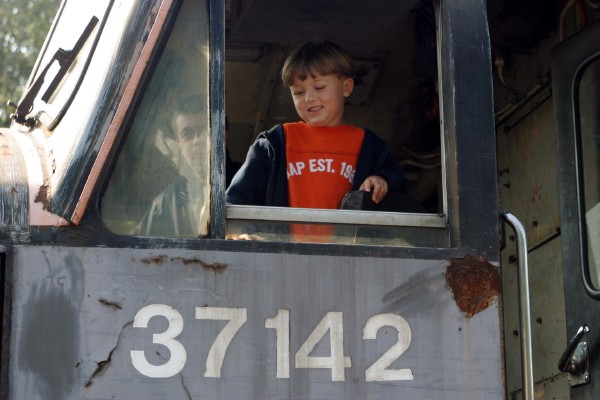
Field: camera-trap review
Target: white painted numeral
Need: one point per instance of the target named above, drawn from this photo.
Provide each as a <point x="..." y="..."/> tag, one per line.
<point x="178" y="356"/>
<point x="378" y="371"/>
<point x="236" y="317"/>
<point x="332" y="322"/>
<point x="281" y="324"/>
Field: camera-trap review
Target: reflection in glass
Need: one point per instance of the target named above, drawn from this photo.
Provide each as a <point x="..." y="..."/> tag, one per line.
<point x="589" y="130"/>
<point x="373" y="235"/>
<point x="160" y="185"/>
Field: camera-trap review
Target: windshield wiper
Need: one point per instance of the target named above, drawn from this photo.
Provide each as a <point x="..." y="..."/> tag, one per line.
<point x="65" y="60"/>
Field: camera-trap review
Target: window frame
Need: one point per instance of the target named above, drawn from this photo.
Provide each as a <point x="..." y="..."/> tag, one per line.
<point x="468" y="159"/>
<point x="569" y="61"/>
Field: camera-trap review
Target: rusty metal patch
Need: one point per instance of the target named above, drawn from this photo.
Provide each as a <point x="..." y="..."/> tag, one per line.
<point x="160" y="259"/>
<point x="215" y="267"/>
<point x="42" y="196"/>
<point x="474" y="282"/>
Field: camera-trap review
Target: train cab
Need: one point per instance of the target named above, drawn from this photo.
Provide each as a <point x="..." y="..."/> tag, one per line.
<point x="126" y="273"/>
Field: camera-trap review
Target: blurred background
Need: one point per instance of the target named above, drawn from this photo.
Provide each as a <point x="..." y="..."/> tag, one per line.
<point x="24" y="25"/>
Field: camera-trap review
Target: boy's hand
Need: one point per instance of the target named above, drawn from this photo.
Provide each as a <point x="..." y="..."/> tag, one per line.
<point x="377" y="185"/>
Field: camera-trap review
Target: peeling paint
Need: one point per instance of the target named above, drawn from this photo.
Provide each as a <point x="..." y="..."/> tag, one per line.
<point x="14" y="207"/>
<point x="215" y="267"/>
<point x="102" y="365"/>
<point x="109" y="303"/>
<point x="160" y="259"/>
<point x="154" y="259"/>
<point x="42" y="196"/>
<point x="474" y="282"/>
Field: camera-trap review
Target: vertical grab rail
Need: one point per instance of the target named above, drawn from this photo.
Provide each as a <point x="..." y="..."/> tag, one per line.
<point x="525" y="307"/>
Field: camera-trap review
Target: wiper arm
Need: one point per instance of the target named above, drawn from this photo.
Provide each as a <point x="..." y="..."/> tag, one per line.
<point x="65" y="60"/>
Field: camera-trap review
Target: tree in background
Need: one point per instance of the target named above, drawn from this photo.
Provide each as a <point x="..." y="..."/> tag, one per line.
<point x="24" y="25"/>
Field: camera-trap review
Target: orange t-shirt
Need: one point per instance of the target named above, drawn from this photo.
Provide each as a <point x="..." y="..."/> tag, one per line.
<point x="321" y="162"/>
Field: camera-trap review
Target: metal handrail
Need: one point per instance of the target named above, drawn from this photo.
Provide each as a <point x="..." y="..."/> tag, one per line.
<point x="525" y="307"/>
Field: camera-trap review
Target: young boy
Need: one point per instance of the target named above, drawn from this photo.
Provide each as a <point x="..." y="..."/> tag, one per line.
<point x="314" y="163"/>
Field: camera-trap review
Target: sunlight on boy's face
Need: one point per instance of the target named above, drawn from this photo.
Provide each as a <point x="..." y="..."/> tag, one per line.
<point x="319" y="100"/>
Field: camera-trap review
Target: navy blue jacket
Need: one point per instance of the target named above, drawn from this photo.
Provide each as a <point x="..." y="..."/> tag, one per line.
<point x="262" y="179"/>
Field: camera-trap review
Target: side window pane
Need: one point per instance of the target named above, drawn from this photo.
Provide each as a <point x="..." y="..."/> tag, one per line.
<point x="160" y="184"/>
<point x="589" y="131"/>
<point x="373" y="235"/>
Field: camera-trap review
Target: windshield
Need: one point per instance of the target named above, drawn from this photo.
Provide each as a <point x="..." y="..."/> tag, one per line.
<point x="81" y="79"/>
<point x="160" y="185"/>
<point x="63" y="64"/>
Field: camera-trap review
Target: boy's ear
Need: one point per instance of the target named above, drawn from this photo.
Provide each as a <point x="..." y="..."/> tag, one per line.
<point x="348" y="86"/>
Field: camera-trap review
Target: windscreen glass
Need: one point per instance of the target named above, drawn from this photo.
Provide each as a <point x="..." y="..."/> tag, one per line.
<point x="160" y="185"/>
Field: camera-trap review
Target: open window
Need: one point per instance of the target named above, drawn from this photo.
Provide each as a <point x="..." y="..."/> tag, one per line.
<point x="393" y="45"/>
<point x="158" y="189"/>
<point x="222" y="62"/>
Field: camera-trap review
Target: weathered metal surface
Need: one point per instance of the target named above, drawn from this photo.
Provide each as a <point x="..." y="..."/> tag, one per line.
<point x="470" y="154"/>
<point x="527" y="173"/>
<point x="14" y="192"/>
<point x="474" y="282"/>
<point x="570" y="59"/>
<point x="76" y="329"/>
<point x="529" y="189"/>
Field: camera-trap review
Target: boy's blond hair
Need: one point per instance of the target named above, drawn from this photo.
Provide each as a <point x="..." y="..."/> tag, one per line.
<point x="316" y="58"/>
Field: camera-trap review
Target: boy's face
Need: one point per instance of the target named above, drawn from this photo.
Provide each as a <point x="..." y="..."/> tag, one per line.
<point x="319" y="100"/>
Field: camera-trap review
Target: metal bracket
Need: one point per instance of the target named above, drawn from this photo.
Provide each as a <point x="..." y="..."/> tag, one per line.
<point x="579" y="367"/>
<point x="575" y="360"/>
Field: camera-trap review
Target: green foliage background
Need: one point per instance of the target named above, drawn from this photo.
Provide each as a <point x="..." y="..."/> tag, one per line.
<point x="23" y="28"/>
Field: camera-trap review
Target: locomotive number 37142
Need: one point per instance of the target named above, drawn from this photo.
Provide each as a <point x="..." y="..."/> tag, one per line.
<point x="332" y="322"/>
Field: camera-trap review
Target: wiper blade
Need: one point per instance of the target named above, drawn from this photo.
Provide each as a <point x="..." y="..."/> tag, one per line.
<point x="65" y="59"/>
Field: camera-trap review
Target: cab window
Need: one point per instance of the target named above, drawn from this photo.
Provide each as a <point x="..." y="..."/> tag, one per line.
<point x="395" y="95"/>
<point x="160" y="184"/>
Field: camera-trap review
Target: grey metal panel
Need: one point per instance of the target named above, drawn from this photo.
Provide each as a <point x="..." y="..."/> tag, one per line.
<point x="547" y="317"/>
<point x="72" y="332"/>
<point x="527" y="172"/>
<point x="529" y="189"/>
<point x="567" y="59"/>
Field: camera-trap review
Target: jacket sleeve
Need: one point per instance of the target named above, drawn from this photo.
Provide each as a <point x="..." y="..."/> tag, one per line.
<point x="375" y="158"/>
<point x="249" y="185"/>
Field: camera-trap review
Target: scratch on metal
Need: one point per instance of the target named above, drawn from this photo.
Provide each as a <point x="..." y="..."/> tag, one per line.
<point x="102" y="365"/>
<point x="109" y="303"/>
